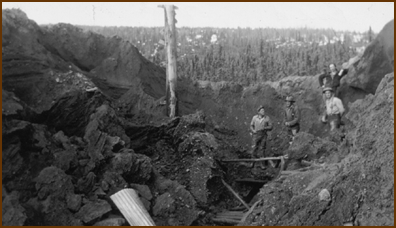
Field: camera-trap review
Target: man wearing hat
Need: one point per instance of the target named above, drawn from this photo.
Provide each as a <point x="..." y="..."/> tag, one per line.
<point x="332" y="79"/>
<point x="334" y="109"/>
<point x="292" y="117"/>
<point x="259" y="126"/>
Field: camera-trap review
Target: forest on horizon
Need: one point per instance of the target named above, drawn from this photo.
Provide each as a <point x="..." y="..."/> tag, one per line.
<point x="244" y="55"/>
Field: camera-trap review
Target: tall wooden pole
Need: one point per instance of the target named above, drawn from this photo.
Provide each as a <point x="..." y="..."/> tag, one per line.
<point x="171" y="69"/>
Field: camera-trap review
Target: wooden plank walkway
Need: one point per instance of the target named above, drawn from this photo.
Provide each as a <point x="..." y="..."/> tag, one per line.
<point x="234" y="217"/>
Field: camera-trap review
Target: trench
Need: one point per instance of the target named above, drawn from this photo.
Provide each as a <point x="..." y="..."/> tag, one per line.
<point x="244" y="180"/>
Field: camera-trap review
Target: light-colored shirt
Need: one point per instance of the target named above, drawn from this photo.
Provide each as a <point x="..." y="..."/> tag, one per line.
<point x="261" y="123"/>
<point x="334" y="106"/>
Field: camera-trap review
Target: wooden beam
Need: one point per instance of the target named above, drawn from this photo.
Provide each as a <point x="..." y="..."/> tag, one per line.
<point x="250" y="211"/>
<point x="228" y="221"/>
<point x="237" y="217"/>
<point x="238" y="208"/>
<point x="235" y="194"/>
<point x="171" y="69"/>
<point x="252" y="159"/>
<point x="250" y="180"/>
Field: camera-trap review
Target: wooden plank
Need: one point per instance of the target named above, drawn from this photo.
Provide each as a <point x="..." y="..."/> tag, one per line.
<point x="128" y="202"/>
<point x="250" y="211"/>
<point x="238" y="208"/>
<point x="250" y="180"/>
<point x="231" y="212"/>
<point x="252" y="159"/>
<point x="235" y="194"/>
<point x="228" y="221"/>
<point x="239" y="217"/>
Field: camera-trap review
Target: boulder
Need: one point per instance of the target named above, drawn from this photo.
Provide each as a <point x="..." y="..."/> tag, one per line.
<point x="135" y="168"/>
<point x="143" y="190"/>
<point x="93" y="211"/>
<point x="376" y="61"/>
<point x="324" y="195"/>
<point x="175" y="206"/>
<point x="13" y="213"/>
<point x="53" y="181"/>
<point x="73" y="202"/>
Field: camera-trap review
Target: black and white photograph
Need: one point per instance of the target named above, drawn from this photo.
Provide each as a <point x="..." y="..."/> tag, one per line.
<point x="197" y="113"/>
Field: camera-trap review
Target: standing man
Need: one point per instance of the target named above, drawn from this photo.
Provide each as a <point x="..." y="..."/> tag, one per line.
<point x="332" y="79"/>
<point x="334" y="109"/>
<point x="259" y="126"/>
<point x="292" y="117"/>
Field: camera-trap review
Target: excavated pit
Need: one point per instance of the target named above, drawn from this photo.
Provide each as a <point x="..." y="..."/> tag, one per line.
<point x="84" y="119"/>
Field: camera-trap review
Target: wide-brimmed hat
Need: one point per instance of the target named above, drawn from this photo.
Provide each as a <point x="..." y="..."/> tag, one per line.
<point x="259" y="108"/>
<point x="328" y="89"/>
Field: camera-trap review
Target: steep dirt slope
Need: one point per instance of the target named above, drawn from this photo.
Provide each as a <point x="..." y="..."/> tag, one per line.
<point x="37" y="59"/>
<point x="358" y="174"/>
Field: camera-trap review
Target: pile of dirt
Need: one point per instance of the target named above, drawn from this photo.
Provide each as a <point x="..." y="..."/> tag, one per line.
<point x="357" y="174"/>
<point x="41" y="64"/>
<point x="63" y="173"/>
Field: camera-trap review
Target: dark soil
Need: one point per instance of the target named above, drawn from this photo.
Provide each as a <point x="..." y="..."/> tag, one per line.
<point x="82" y="119"/>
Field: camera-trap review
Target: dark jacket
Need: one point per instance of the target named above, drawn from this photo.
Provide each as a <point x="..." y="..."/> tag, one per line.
<point x="332" y="82"/>
<point x="292" y="115"/>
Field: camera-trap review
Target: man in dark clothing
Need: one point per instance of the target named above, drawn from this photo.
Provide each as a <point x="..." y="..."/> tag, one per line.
<point x="259" y="126"/>
<point x="292" y="117"/>
<point x="332" y="79"/>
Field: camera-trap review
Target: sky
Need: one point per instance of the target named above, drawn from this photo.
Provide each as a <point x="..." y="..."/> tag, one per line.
<point x="351" y="16"/>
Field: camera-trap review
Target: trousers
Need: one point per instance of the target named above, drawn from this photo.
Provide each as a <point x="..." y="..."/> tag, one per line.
<point x="259" y="141"/>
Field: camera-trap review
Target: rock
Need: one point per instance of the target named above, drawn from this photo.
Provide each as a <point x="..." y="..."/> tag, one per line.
<point x="308" y="147"/>
<point x="99" y="192"/>
<point x="73" y="202"/>
<point x="53" y="181"/>
<point x="65" y="158"/>
<point x="175" y="202"/>
<point x="100" y="143"/>
<point x="13" y="213"/>
<point x="143" y="190"/>
<point x="11" y="157"/>
<point x="61" y="139"/>
<point x="164" y="205"/>
<point x="146" y="203"/>
<point x="376" y="62"/>
<point x="324" y="195"/>
<point x="114" y="180"/>
<point x="93" y="210"/>
<point x="11" y="105"/>
<point x="111" y="222"/>
<point x="133" y="167"/>
<point x="86" y="184"/>
<point x="105" y="185"/>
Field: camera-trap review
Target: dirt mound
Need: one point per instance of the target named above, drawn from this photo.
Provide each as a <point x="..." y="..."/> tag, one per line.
<point x="360" y="185"/>
<point x="41" y="64"/>
<point x="66" y="179"/>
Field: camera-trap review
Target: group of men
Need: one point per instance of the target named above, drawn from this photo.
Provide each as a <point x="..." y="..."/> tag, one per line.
<point x="334" y="109"/>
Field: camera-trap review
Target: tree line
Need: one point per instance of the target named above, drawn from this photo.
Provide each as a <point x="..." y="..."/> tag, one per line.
<point x="245" y="55"/>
